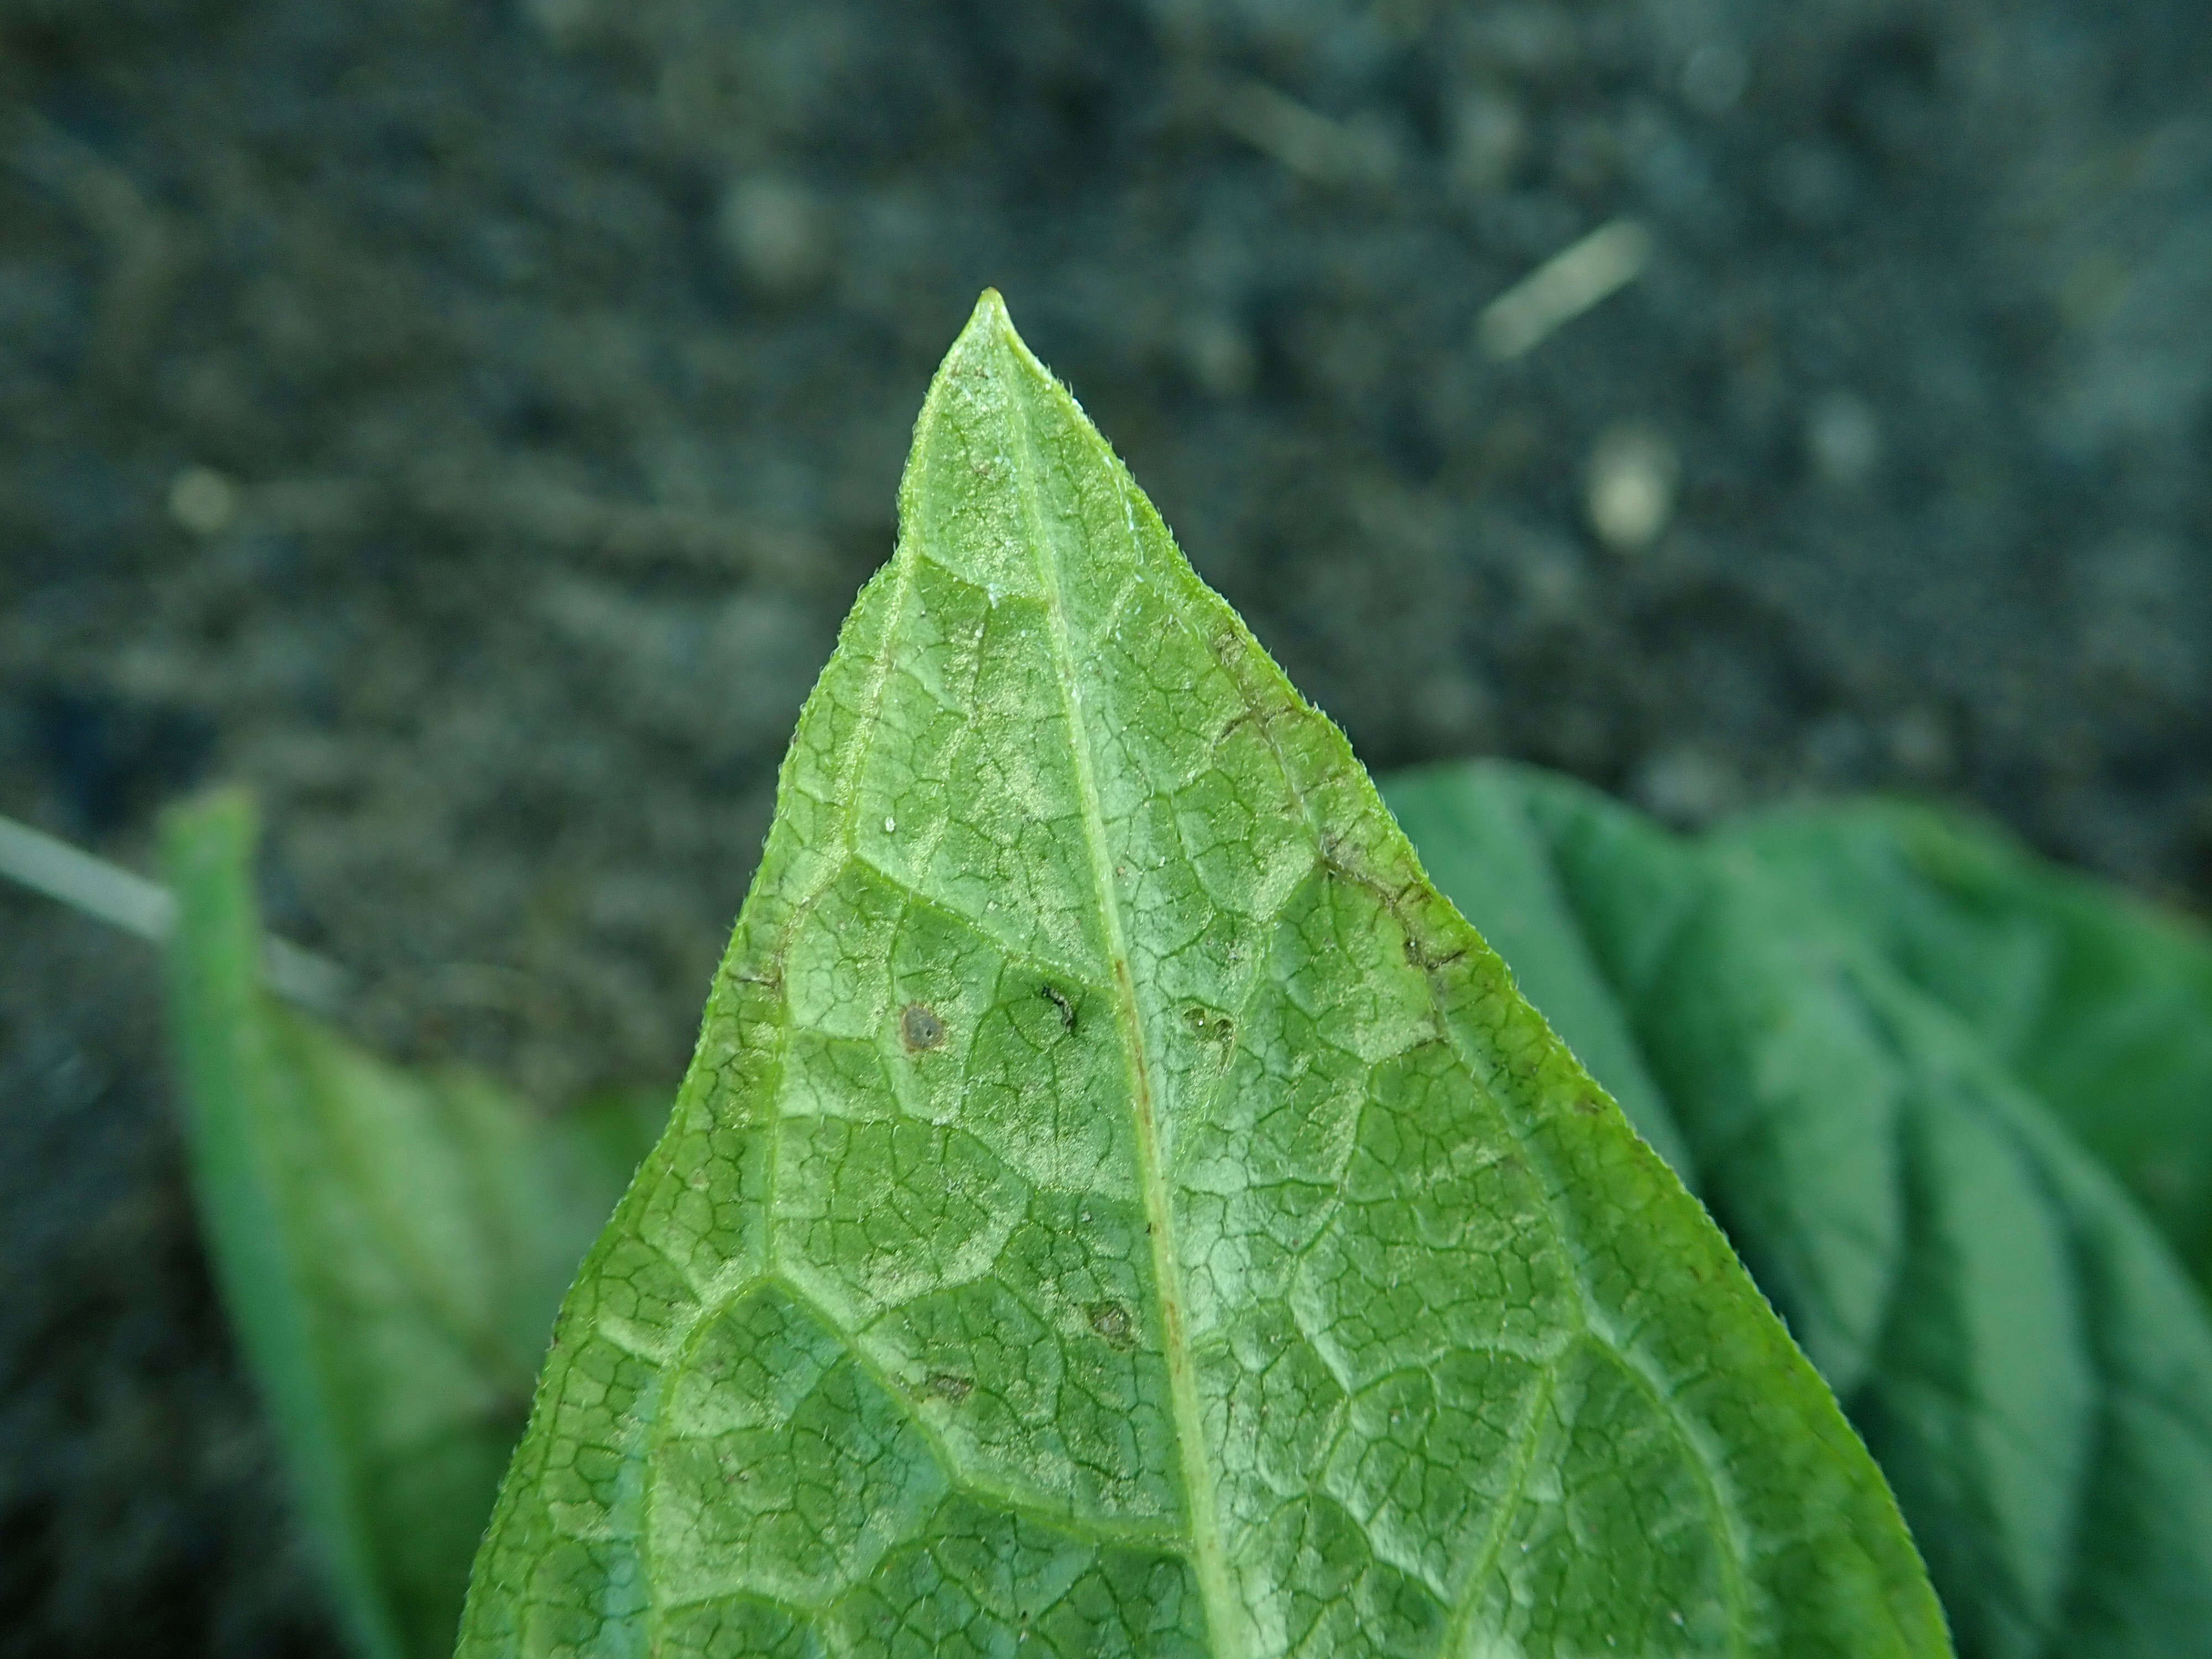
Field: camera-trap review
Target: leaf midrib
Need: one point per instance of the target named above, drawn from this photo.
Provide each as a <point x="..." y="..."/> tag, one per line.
<point x="1226" y="1626"/>
<point x="1225" y="1622"/>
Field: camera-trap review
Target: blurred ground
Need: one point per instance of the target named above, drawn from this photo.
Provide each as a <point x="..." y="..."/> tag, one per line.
<point x="467" y="422"/>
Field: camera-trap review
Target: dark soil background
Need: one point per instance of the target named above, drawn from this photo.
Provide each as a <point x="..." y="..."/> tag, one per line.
<point x="467" y="422"/>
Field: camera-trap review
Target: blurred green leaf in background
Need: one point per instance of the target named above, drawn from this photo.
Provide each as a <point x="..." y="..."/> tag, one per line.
<point x="391" y="1244"/>
<point x="2096" y="1001"/>
<point x="1830" y="1027"/>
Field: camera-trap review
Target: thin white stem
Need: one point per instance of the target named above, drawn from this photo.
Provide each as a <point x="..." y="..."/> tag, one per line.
<point x="111" y="894"/>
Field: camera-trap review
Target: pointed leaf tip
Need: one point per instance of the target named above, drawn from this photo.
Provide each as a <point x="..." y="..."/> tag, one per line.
<point x="989" y="328"/>
<point x="988" y="346"/>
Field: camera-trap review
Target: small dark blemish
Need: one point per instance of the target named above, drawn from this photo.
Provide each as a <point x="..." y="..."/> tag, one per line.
<point x="1421" y="958"/>
<point x="1208" y="1025"/>
<point x="946" y="1386"/>
<point x="763" y="976"/>
<point x="920" y="1027"/>
<point x="1111" y="1321"/>
<point x="1058" y="998"/>
<point x="1589" y="1106"/>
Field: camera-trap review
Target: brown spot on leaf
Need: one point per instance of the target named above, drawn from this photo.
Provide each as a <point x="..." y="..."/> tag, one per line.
<point x="946" y="1386"/>
<point x="920" y="1027"/>
<point x="1209" y="1024"/>
<point x="1426" y="961"/>
<point x="1112" y="1321"/>
<point x="1058" y="1000"/>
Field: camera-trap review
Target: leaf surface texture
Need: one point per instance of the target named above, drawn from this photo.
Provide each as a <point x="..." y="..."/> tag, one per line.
<point x="1117" y="1207"/>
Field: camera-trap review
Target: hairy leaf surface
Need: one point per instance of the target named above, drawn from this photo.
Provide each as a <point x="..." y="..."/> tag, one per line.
<point x="2099" y="1004"/>
<point x="1117" y="1207"/>
<point x="2025" y="1359"/>
<point x="391" y="1246"/>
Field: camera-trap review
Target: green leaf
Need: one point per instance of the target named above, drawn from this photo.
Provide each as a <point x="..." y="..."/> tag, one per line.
<point x="2022" y="1357"/>
<point x="1116" y="1208"/>
<point x="391" y="1246"/>
<point x="2099" y="1004"/>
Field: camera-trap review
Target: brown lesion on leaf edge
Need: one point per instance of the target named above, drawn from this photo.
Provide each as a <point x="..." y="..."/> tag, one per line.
<point x="766" y="976"/>
<point x="1265" y="705"/>
<point x="1421" y="956"/>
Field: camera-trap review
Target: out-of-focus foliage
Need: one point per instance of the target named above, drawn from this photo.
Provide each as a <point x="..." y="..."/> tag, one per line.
<point x="391" y="1244"/>
<point x="2096" y="1001"/>
<point x="2022" y="1354"/>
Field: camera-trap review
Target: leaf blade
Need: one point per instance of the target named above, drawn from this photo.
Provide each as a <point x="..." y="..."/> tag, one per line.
<point x="1107" y="1153"/>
